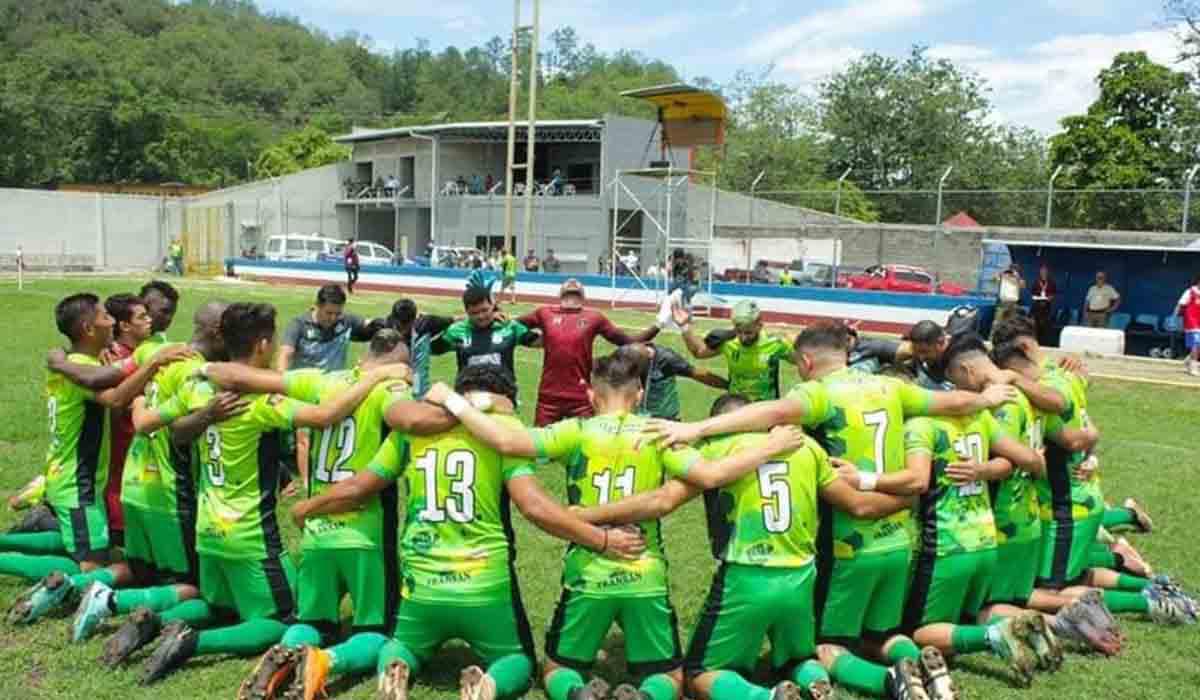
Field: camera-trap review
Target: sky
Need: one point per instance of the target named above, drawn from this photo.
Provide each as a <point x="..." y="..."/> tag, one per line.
<point x="1039" y="57"/>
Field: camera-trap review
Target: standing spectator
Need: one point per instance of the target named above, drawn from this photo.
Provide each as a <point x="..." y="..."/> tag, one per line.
<point x="1011" y="283"/>
<point x="1189" y="309"/>
<point x="508" y="266"/>
<point x="175" y="252"/>
<point x="351" y="263"/>
<point x="476" y="184"/>
<point x="489" y="183"/>
<point x="630" y="260"/>
<point x="785" y="277"/>
<point x="551" y="263"/>
<point x="556" y="182"/>
<point x="391" y="186"/>
<point x="460" y="185"/>
<point x="531" y="262"/>
<point x="1101" y="302"/>
<point x="1044" y="291"/>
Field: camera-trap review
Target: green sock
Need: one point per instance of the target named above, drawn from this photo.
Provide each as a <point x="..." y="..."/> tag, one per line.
<point x="561" y="682"/>
<point x="1115" y="517"/>
<point x="358" y="654"/>
<point x="243" y="639"/>
<point x="1127" y="582"/>
<point x="157" y="598"/>
<point x="903" y="648"/>
<point x="729" y="685"/>
<point x="968" y="639"/>
<point x="658" y="687"/>
<point x="859" y="674"/>
<point x="304" y="635"/>
<point x="808" y="673"/>
<point x="34" y="567"/>
<point x="195" y="612"/>
<point x="80" y="581"/>
<point x="33" y="543"/>
<point x="1126" y="601"/>
<point x="395" y="651"/>
<point x="1101" y="557"/>
<point x="513" y="675"/>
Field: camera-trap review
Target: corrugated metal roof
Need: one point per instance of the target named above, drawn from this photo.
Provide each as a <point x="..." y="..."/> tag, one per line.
<point x="401" y="132"/>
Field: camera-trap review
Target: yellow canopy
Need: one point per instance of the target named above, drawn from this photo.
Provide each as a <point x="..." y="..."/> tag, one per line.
<point x="690" y="116"/>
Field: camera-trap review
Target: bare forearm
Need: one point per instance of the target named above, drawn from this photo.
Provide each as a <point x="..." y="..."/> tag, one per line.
<point x="128" y="390"/>
<point x="511" y="441"/>
<point x="188" y="429"/>
<point x="714" y="474"/>
<point x="91" y="377"/>
<point x="694" y="345"/>
<point x="908" y="482"/>
<point x="337" y="409"/>
<point x="245" y="379"/>
<point x="995" y="469"/>
<point x="553" y="519"/>
<point x="419" y="418"/>
<point x="650" y="505"/>
<point x="1041" y="396"/>
<point x="714" y="380"/>
<point x="760" y="416"/>
<point x="956" y="403"/>
<point x="880" y="505"/>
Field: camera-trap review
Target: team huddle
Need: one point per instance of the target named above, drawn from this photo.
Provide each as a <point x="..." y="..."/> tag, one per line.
<point x="869" y="524"/>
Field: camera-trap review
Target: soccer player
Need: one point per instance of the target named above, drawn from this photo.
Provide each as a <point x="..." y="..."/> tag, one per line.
<point x="751" y="356"/>
<point x="162" y="301"/>
<point x="863" y="563"/>
<point x="418" y="332"/>
<point x="77" y="458"/>
<point x="483" y="338"/>
<point x="762" y="524"/>
<point x="243" y="568"/>
<point x="568" y="334"/>
<point x="508" y="266"/>
<point x="608" y="459"/>
<point x="459" y="552"/>
<point x="659" y="366"/>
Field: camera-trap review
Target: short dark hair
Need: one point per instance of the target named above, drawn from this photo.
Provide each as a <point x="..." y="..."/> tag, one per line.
<point x="616" y="371"/>
<point x="474" y="295"/>
<point x="120" y="306"/>
<point x="1008" y="355"/>
<point x="825" y="336"/>
<point x="925" y="332"/>
<point x="71" y="312"/>
<point x="728" y="402"/>
<point x="243" y="325"/>
<point x="962" y="347"/>
<point x="1012" y="328"/>
<point x="331" y="294"/>
<point x="638" y="358"/>
<point x="404" y="311"/>
<point x="384" y="342"/>
<point x="493" y="379"/>
<point x="162" y="287"/>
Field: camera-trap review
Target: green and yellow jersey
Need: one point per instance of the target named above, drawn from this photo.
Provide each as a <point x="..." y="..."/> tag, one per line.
<point x="343" y="450"/>
<point x="78" y="456"/>
<point x="860" y="418"/>
<point x="754" y="369"/>
<point x="458" y="546"/>
<point x="768" y="517"/>
<point x="1015" y="500"/>
<point x="239" y="462"/>
<point x="1062" y="496"/>
<point x="953" y="518"/>
<point x="509" y="266"/>
<point x="607" y="461"/>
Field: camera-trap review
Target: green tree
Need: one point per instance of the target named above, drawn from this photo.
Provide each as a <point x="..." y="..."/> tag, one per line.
<point x="308" y="148"/>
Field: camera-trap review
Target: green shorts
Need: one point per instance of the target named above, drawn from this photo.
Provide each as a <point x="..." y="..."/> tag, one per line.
<point x="581" y="623"/>
<point x="84" y="531"/>
<point x="328" y="574"/>
<point x="950" y="589"/>
<point x="746" y="604"/>
<point x="1016" y="570"/>
<point x="157" y="547"/>
<point x="1066" y="544"/>
<point x="863" y="596"/>
<point x="253" y="589"/>
<point x="493" y="630"/>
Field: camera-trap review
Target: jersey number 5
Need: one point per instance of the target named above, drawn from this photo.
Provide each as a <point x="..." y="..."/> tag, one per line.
<point x="343" y="435"/>
<point x="777" y="496"/>
<point x="459" y="504"/>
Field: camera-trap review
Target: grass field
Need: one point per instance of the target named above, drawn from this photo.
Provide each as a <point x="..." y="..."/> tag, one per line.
<point x="1146" y="451"/>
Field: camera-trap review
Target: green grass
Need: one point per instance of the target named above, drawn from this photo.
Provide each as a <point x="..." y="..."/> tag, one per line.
<point x="1147" y="451"/>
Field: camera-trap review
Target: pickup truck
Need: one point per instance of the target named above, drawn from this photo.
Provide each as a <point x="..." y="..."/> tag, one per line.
<point x="899" y="278"/>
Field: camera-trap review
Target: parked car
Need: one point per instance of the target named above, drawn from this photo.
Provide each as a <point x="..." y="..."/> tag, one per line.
<point x="899" y="278"/>
<point x="300" y="246"/>
<point x="368" y="254"/>
<point x="814" y="274"/>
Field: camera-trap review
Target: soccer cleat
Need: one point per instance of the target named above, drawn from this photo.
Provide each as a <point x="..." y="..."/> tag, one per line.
<point x="938" y="683"/>
<point x="628" y="692"/>
<point x="1134" y="563"/>
<point x="274" y="670"/>
<point x="1079" y="623"/>
<point x="786" y="690"/>
<point x="474" y="684"/>
<point x="904" y="681"/>
<point x="393" y="682"/>
<point x="1012" y="647"/>
<point x="820" y="690"/>
<point x="1097" y="610"/>
<point x="596" y="689"/>
<point x="40" y="518"/>
<point x="312" y="673"/>
<point x="49" y="594"/>
<point x="1144" y="522"/>
<point x="176" y="645"/>
<point x="1175" y="592"/>
<point x="1042" y="640"/>
<point x="94" y="607"/>
<point x="1165" y="609"/>
<point x="140" y="629"/>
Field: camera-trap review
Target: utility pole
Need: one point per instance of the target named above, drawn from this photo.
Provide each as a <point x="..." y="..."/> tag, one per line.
<point x="512" y="130"/>
<point x="530" y="184"/>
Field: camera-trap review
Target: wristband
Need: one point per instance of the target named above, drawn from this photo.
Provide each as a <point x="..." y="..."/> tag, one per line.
<point x="456" y="404"/>
<point x="604" y="547"/>
<point x="867" y="481"/>
<point x="203" y="370"/>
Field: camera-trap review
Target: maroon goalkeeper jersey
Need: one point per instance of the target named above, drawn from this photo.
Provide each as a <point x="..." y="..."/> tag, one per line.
<point x="567" y="336"/>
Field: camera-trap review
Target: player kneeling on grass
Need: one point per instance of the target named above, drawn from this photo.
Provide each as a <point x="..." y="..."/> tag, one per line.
<point x="762" y="527"/>
<point x="459" y="553"/>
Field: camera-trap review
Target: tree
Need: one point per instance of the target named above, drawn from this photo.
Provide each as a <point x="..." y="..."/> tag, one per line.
<point x="309" y="148"/>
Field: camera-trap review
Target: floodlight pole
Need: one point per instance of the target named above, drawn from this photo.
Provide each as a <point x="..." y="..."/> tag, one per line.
<point x="1187" y="195"/>
<point x="1050" y="196"/>
<point x="512" y="130"/>
<point x="941" y="185"/>
<point x="837" y="197"/>
<point x="753" y="202"/>
<point x="531" y="130"/>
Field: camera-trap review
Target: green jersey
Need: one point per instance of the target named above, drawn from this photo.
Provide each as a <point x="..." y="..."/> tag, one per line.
<point x="754" y="369"/>
<point x="341" y="451"/>
<point x="148" y="348"/>
<point x="238" y="473"/>
<point x="495" y="345"/>
<point x="860" y="418"/>
<point x="458" y="546"/>
<point x="769" y="516"/>
<point x="954" y="517"/>
<point x="77" y="459"/>
<point x="1062" y="495"/>
<point x="607" y="461"/>
<point x="1015" y="499"/>
<point x="509" y="266"/>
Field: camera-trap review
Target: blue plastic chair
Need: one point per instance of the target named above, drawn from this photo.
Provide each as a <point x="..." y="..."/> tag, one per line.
<point x="1119" y="321"/>
<point x="1172" y="324"/>
<point x="1146" y="324"/>
<point x="1074" y="317"/>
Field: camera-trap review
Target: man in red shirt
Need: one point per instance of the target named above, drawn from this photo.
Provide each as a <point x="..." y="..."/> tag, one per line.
<point x="351" y="263"/>
<point x="1189" y="309"/>
<point x="568" y="331"/>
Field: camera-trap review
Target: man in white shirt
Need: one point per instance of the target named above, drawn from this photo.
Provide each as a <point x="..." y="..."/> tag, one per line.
<point x="1101" y="302"/>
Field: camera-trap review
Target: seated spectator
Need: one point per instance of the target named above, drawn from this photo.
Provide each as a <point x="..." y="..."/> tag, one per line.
<point x="551" y="263"/>
<point x="489" y="183"/>
<point x="556" y="182"/>
<point x="461" y="183"/>
<point x="531" y="262"/>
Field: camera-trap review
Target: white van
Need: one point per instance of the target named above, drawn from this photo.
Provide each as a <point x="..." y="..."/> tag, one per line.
<point x="300" y="246"/>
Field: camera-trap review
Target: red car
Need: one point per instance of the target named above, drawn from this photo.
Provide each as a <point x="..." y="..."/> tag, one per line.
<point x="899" y="278"/>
